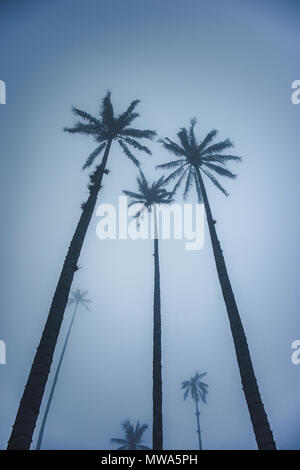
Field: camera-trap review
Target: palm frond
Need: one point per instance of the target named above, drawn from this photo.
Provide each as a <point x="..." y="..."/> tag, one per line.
<point x="172" y="147"/>
<point x="219" y="158"/>
<point x="215" y="181"/>
<point x="86" y="116"/>
<point x="142" y="181"/>
<point x="184" y="138"/>
<point x="207" y="140"/>
<point x="170" y="165"/>
<point x="139" y="430"/>
<point x="175" y="173"/>
<point x="189" y="183"/>
<point x="137" y="145"/>
<point x="198" y="189"/>
<point x="107" y="112"/>
<point x="80" y="128"/>
<point x="180" y="180"/>
<point x="138" y="133"/>
<point x="127" y="117"/>
<point x="220" y="170"/>
<point x="133" y="195"/>
<point x="118" y="441"/>
<point x="218" y="147"/>
<point x="94" y="154"/>
<point x="191" y="137"/>
<point x="128" y="153"/>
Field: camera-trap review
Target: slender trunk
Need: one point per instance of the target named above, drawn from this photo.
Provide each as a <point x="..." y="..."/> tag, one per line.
<point x="261" y="426"/>
<point x="198" y="425"/>
<point x="25" y="422"/>
<point x="40" y="438"/>
<point x="157" y="379"/>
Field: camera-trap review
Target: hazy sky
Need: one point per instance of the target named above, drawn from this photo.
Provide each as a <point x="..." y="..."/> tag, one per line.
<point x="228" y="63"/>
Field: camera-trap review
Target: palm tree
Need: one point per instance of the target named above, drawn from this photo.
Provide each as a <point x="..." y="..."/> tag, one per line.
<point x="77" y="299"/>
<point x="195" y="158"/>
<point x="199" y="392"/>
<point x="149" y="197"/>
<point x="133" y="437"/>
<point x="105" y="129"/>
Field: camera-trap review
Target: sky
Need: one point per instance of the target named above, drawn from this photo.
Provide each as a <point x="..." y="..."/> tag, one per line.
<point x="228" y="63"/>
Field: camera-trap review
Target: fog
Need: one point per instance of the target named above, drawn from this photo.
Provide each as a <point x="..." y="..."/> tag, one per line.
<point x="228" y="63"/>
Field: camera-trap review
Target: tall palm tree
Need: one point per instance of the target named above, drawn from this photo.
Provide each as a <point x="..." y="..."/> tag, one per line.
<point x="133" y="437"/>
<point x="77" y="299"/>
<point x="199" y="392"/>
<point x="151" y="195"/>
<point x="105" y="129"/>
<point x="194" y="159"/>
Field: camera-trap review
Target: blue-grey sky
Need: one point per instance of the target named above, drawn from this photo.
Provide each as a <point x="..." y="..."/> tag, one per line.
<point x="228" y="63"/>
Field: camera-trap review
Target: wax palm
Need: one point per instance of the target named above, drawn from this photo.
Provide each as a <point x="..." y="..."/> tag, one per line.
<point x="77" y="299"/>
<point x="105" y="129"/>
<point x="198" y="391"/>
<point x="204" y="157"/>
<point x="151" y="195"/>
<point x="133" y="437"/>
<point x="109" y="127"/>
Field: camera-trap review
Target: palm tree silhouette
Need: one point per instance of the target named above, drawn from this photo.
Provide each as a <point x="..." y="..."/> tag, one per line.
<point x="204" y="157"/>
<point x="198" y="392"/>
<point x="105" y="129"/>
<point x="77" y="299"/>
<point x="151" y="195"/>
<point x="133" y="437"/>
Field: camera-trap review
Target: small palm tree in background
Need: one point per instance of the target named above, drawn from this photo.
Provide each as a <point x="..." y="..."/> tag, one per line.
<point x="151" y="195"/>
<point x="197" y="157"/>
<point x="198" y="391"/>
<point x="104" y="130"/>
<point x="77" y="299"/>
<point x="133" y="437"/>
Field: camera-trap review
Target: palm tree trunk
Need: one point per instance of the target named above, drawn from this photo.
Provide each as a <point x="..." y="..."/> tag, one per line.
<point x="25" y="422"/>
<point x="198" y="425"/>
<point x="261" y="426"/>
<point x="157" y="430"/>
<point x="39" y="442"/>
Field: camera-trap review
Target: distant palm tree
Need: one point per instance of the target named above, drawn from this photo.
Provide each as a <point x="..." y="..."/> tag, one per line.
<point x="199" y="392"/>
<point x="204" y="157"/>
<point x="105" y="129"/>
<point x="149" y="197"/>
<point x="133" y="437"/>
<point x="78" y="299"/>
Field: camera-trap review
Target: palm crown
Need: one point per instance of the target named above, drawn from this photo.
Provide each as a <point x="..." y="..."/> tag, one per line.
<point x="133" y="436"/>
<point x="197" y="388"/>
<point x="193" y="154"/>
<point x="79" y="298"/>
<point x="149" y="194"/>
<point x="110" y="127"/>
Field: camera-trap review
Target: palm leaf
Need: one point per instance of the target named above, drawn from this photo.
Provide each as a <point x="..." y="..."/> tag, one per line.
<point x="94" y="154"/>
<point x="184" y="138"/>
<point x="138" y="133"/>
<point x="215" y="181"/>
<point x="189" y="183"/>
<point x="172" y="147"/>
<point x="86" y="116"/>
<point x="207" y="140"/>
<point x="218" y="147"/>
<point x="80" y="128"/>
<point x="170" y="165"/>
<point x="175" y="173"/>
<point x="128" y="153"/>
<point x="107" y="112"/>
<point x="137" y="145"/>
<point x="220" y="170"/>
